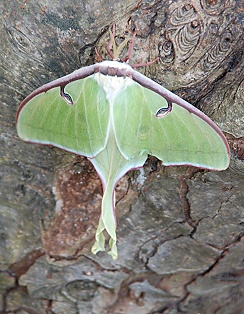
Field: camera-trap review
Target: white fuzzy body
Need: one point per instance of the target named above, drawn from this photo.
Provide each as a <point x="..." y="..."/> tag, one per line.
<point x="112" y="85"/>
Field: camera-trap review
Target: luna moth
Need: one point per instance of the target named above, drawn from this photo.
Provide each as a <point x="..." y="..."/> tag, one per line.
<point x="116" y="117"/>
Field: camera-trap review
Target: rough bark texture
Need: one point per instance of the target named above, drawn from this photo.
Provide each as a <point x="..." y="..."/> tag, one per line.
<point x="180" y="230"/>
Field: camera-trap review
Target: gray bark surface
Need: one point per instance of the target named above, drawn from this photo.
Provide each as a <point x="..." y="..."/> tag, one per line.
<point x="180" y="229"/>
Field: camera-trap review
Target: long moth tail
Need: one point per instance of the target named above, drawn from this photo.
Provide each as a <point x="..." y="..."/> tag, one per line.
<point x="107" y="221"/>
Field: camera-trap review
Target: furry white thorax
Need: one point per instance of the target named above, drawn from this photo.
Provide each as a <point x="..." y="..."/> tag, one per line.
<point x="113" y="84"/>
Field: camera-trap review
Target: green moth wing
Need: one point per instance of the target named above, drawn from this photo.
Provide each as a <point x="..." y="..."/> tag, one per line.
<point x="80" y="128"/>
<point x="180" y="137"/>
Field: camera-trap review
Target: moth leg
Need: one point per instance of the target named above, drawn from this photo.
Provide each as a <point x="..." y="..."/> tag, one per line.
<point x="144" y="64"/>
<point x="100" y="59"/>
<point x="130" y="49"/>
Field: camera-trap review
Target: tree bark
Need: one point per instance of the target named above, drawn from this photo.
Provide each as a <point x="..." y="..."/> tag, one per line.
<point x="180" y="229"/>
